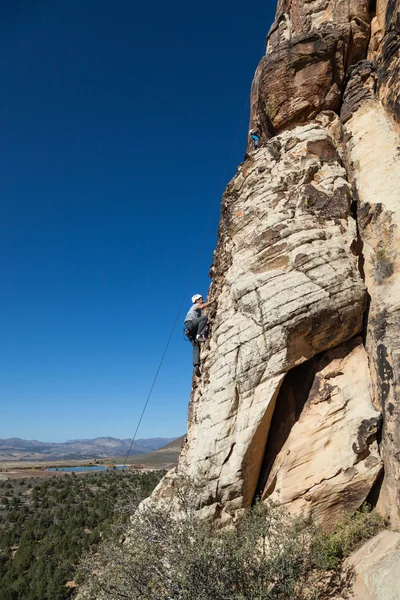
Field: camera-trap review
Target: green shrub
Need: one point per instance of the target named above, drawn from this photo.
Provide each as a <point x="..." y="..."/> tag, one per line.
<point x="383" y="263"/>
<point x="329" y="549"/>
<point x="189" y="559"/>
<point x="267" y="556"/>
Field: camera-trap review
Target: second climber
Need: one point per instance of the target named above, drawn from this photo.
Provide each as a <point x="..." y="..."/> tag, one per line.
<point x="255" y="136"/>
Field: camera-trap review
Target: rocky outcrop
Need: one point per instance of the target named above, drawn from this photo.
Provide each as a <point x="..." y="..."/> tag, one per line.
<point x="304" y="351"/>
<point x="374" y="568"/>
<point x="309" y="48"/>
<point x="373" y="157"/>
<point x="388" y="61"/>
<point x="331" y="459"/>
<point x="288" y="288"/>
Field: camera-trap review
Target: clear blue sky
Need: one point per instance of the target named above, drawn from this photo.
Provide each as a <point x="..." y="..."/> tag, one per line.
<point x="117" y="122"/>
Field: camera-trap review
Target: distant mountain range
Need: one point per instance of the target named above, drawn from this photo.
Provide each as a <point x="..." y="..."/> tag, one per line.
<point x="16" y="449"/>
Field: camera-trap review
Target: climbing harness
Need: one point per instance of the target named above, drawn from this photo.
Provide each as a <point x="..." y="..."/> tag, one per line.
<point x="187" y="332"/>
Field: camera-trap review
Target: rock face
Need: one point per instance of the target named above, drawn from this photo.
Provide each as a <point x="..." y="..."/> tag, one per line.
<point x="373" y="157"/>
<point x="330" y="460"/>
<point x="376" y="568"/>
<point x="303" y="357"/>
<point x="388" y="60"/>
<point x="310" y="46"/>
<point x="288" y="288"/>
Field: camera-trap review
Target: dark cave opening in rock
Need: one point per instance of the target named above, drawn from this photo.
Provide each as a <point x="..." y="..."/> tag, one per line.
<point x="375" y="491"/>
<point x="290" y="402"/>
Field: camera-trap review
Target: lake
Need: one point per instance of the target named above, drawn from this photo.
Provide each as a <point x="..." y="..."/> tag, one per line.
<point x="82" y="469"/>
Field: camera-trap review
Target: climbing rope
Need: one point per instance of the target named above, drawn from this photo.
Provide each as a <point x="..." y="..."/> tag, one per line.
<point x="207" y="229"/>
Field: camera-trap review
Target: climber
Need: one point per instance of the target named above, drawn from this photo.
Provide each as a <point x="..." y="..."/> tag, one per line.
<point x="195" y="327"/>
<point x="255" y="137"/>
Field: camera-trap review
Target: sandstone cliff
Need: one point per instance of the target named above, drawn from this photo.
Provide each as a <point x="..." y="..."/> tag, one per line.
<point x="299" y="395"/>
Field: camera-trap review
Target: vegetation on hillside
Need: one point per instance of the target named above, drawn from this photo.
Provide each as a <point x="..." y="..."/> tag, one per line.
<point x="47" y="525"/>
<point x="267" y="556"/>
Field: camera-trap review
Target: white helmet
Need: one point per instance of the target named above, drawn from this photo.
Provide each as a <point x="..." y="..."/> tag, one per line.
<point x="196" y="297"/>
<point x="251" y="130"/>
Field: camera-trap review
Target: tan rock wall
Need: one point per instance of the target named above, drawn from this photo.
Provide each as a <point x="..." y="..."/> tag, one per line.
<point x="288" y="287"/>
<point x="388" y="63"/>
<point x="289" y="274"/>
<point x="377" y="29"/>
<point x="330" y="460"/>
<point x="309" y="48"/>
<point x="374" y="164"/>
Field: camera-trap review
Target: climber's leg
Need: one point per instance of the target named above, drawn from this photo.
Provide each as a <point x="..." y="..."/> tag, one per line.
<point x="196" y="354"/>
<point x="200" y="326"/>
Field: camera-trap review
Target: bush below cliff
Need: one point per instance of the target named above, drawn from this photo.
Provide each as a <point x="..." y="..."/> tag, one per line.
<point x="267" y="556"/>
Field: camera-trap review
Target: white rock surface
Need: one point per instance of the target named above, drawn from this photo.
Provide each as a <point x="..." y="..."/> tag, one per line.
<point x="288" y="287"/>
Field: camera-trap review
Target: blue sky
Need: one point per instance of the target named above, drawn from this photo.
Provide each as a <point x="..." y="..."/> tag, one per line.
<point x="117" y="122"/>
